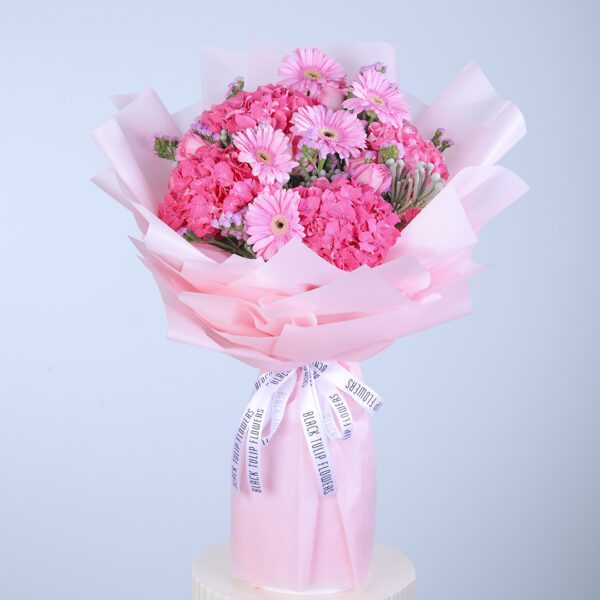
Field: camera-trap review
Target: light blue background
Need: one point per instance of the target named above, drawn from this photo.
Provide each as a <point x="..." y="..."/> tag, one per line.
<point x="113" y="467"/>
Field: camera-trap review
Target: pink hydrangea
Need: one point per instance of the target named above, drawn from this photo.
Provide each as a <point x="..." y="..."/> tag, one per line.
<point x="413" y="148"/>
<point x="205" y="185"/>
<point x="347" y="223"/>
<point x="270" y="104"/>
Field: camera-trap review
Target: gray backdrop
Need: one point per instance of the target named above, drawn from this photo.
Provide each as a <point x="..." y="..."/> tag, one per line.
<point x="491" y="482"/>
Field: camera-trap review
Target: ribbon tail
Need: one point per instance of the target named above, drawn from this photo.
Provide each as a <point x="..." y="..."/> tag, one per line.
<point x="315" y="435"/>
<point x="350" y="385"/>
<point x="238" y="442"/>
<point x="254" y="442"/>
<point x="242" y="429"/>
<point x="336" y="412"/>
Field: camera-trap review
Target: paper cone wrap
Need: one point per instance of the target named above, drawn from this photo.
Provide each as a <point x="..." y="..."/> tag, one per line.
<point x="297" y="308"/>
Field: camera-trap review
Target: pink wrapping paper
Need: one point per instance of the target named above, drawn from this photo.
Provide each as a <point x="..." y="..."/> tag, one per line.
<point x="298" y="308"/>
<point x="290" y="537"/>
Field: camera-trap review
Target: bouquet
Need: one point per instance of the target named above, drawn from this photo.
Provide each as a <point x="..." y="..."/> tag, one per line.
<point x="301" y="220"/>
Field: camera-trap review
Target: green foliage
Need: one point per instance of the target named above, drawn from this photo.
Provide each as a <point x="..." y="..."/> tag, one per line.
<point x="387" y="153"/>
<point x="166" y="147"/>
<point x="230" y="244"/>
<point x="440" y="143"/>
<point x="235" y="87"/>
<point x="414" y="188"/>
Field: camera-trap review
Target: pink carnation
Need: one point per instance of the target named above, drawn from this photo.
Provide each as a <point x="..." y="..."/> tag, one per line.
<point x="381" y="135"/>
<point x="413" y="148"/>
<point x="269" y="104"/>
<point x="347" y="223"/>
<point x="204" y="186"/>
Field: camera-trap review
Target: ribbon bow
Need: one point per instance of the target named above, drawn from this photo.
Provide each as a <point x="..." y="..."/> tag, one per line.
<point x="325" y="414"/>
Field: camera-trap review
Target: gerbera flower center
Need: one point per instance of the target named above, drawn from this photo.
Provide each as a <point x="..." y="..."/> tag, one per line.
<point x="312" y="74"/>
<point x="264" y="157"/>
<point x="328" y="133"/>
<point x="279" y="224"/>
<point x="377" y="99"/>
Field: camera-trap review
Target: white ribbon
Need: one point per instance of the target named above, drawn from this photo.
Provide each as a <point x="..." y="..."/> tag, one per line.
<point x="324" y="415"/>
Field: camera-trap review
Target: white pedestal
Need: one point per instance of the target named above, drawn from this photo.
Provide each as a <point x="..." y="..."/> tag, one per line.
<point x="392" y="578"/>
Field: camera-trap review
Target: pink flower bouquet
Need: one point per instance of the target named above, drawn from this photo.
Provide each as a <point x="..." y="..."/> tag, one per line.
<point x="301" y="219"/>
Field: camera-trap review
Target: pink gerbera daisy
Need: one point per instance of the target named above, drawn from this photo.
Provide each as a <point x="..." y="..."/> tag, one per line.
<point x="268" y="151"/>
<point x="371" y="91"/>
<point x="273" y="220"/>
<point x="329" y="131"/>
<point x="307" y="70"/>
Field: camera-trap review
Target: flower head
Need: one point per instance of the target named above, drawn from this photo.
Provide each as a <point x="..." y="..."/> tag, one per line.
<point x="205" y="185"/>
<point x="347" y="222"/>
<point x="307" y="70"/>
<point x="268" y="151"/>
<point x="377" y="66"/>
<point x="232" y="224"/>
<point x="371" y="91"/>
<point x="375" y="175"/>
<point x="269" y="104"/>
<point x="188" y="145"/>
<point x="273" y="220"/>
<point x="412" y="147"/>
<point x="235" y="86"/>
<point x="332" y="97"/>
<point x="329" y="131"/>
<point x="382" y="135"/>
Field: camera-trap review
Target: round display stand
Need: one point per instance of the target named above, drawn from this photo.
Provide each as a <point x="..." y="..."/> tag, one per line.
<point x="392" y="578"/>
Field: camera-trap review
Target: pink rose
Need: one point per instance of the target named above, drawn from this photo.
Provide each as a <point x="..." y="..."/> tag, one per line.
<point x="332" y="97"/>
<point x="188" y="145"/>
<point x="374" y="175"/>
